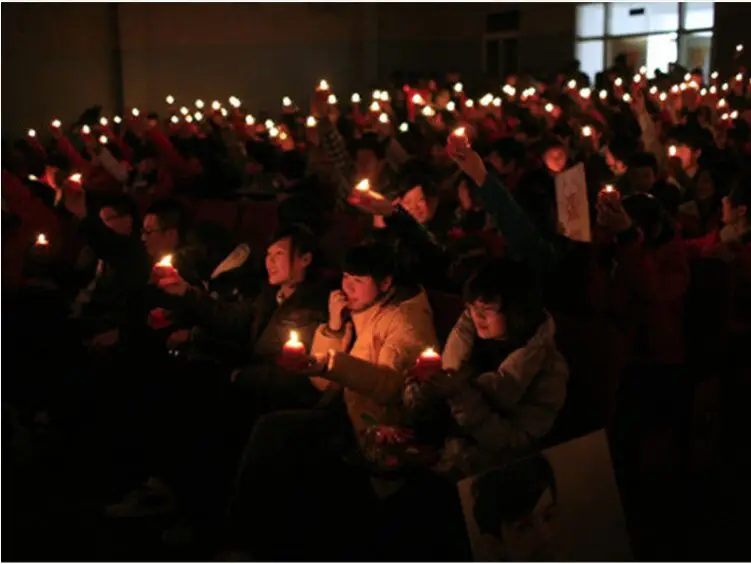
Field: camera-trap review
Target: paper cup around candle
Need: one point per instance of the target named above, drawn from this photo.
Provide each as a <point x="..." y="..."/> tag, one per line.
<point x="609" y="191"/>
<point x="428" y="363"/>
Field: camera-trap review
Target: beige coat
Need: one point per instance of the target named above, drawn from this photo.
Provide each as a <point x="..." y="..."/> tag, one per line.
<point x="391" y="334"/>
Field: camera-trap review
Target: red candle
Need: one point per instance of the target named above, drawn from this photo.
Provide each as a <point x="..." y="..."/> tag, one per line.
<point x="428" y="363"/>
<point x="609" y="190"/>
<point x="361" y="192"/>
<point x="162" y="269"/>
<point x="293" y="353"/>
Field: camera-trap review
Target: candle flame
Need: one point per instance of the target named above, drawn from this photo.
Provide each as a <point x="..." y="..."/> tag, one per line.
<point x="549" y="107"/>
<point x="175" y="120"/>
<point x="497" y="102"/>
<point x="619" y="82"/>
<point x="603" y="94"/>
<point x="451" y="106"/>
<point x="734" y="114"/>
<point x="363" y="185"/>
<point x="234" y="101"/>
<point x="269" y="123"/>
<point x="117" y="119"/>
<point x="249" y="120"/>
<point x="135" y="112"/>
<point x="584" y="93"/>
<point x="627" y="98"/>
<point x="75" y="178"/>
<point x="609" y="188"/>
<point x="458" y="87"/>
<point x="460" y="132"/>
<point x="331" y="99"/>
<point x="417" y="99"/>
<point x="170" y="99"/>
<point x="103" y="122"/>
<point x="404" y="127"/>
<point x="56" y="123"/>
<point x="198" y="116"/>
<point x="653" y="90"/>
<point x="86" y="130"/>
<point x="469" y="103"/>
<point x="323" y="85"/>
<point x="376" y="94"/>
<point x="215" y="105"/>
<point x="375" y="107"/>
<point x="586" y="131"/>
<point x="383" y="118"/>
<point x="714" y="75"/>
<point x="166" y="261"/>
<point x="572" y="84"/>
<point x="739" y="47"/>
<point x="663" y="96"/>
<point x="356" y="98"/>
<point x="430" y="352"/>
<point x="637" y="78"/>
<point x="273" y="132"/>
<point x="184" y="111"/>
<point x="643" y="69"/>
<point x="739" y="77"/>
<point x="42" y="240"/>
<point x="725" y="86"/>
<point x="33" y="178"/>
<point x="103" y="139"/>
<point x="687" y="77"/>
<point x="286" y="101"/>
<point x="672" y="150"/>
<point x="384" y="96"/>
<point x="199" y="104"/>
<point x="294" y="339"/>
<point x="32" y="133"/>
<point x="189" y="118"/>
<point x="427" y="111"/>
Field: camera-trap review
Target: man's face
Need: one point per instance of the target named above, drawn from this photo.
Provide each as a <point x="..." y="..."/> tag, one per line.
<point x="688" y="156"/>
<point x="489" y="322"/>
<point x="533" y="537"/>
<point x="555" y="159"/>
<point x="643" y="178"/>
<point x="120" y="224"/>
<point x="362" y="291"/>
<point x="158" y="241"/>
<point x="367" y="164"/>
<point x="416" y="204"/>
<point x="283" y="265"/>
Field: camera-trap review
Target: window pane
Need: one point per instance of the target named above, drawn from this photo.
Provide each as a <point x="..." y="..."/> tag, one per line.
<point x="698" y="15"/>
<point x="590" y="20"/>
<point x="626" y="19"/>
<point x="696" y="50"/>
<point x="654" y="51"/>
<point x="591" y="55"/>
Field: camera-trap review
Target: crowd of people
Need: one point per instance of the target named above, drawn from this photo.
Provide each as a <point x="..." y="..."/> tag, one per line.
<point x="293" y="334"/>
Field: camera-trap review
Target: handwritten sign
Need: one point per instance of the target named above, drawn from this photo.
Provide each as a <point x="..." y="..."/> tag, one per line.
<point x="573" y="205"/>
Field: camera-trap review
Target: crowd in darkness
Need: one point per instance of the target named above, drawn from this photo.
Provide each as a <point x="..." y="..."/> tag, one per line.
<point x="289" y="335"/>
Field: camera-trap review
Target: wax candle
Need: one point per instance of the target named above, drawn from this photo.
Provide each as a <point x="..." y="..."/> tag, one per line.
<point x="162" y="269"/>
<point x="293" y="353"/>
<point x="609" y="190"/>
<point x="428" y="363"/>
<point x="362" y="191"/>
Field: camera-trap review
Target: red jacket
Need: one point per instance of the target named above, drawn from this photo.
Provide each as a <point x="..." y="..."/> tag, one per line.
<point x="644" y="293"/>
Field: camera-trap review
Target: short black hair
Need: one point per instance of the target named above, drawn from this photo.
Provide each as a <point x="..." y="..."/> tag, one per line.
<point x="518" y="290"/>
<point x="301" y="238"/>
<point x="172" y="214"/>
<point x="371" y="259"/>
<point x="508" y="148"/>
<point x="370" y="142"/>
<point x="643" y="159"/>
<point x="123" y="204"/>
<point x="410" y="181"/>
<point x="508" y="494"/>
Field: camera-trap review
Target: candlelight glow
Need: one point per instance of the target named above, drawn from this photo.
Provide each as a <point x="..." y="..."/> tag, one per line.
<point x="103" y="139"/>
<point x="375" y="107"/>
<point x="469" y="103"/>
<point x="175" y="119"/>
<point x="713" y="89"/>
<point x="549" y="107"/>
<point x="417" y="99"/>
<point x="693" y="84"/>
<point x="460" y="132"/>
<point x="458" y="87"/>
<point x="584" y="93"/>
<point x="273" y="132"/>
<point x="170" y="99"/>
<point x="356" y="98"/>
<point x="586" y="131"/>
<point x="663" y="96"/>
<point x="75" y="178"/>
<point x="739" y="48"/>
<point x="323" y="85"/>
<point x="714" y="75"/>
<point x="427" y="111"/>
<point x="509" y="90"/>
<point x="331" y="99"/>
<point x="286" y="101"/>
<point x="703" y="92"/>
<point x="637" y="78"/>
<point x="234" y="101"/>
<point x="376" y="94"/>
<point x="572" y="84"/>
<point x="33" y="178"/>
<point x="674" y="89"/>
<point x="198" y="116"/>
<point x="603" y="94"/>
<point x="725" y="116"/>
<point x="609" y="189"/>
<point x="42" y="240"/>
<point x="103" y="122"/>
<point x="249" y="120"/>
<point x="363" y="185"/>
<point x="627" y="97"/>
<point x="135" y="112"/>
<point x="184" y="111"/>
<point x="725" y="86"/>
<point x="486" y="100"/>
<point x="722" y="103"/>
<point x="687" y="77"/>
<point x="672" y="150"/>
<point x="268" y="124"/>
<point x="283" y="136"/>
<point x="739" y="77"/>
<point x="429" y="353"/>
<point x="117" y="119"/>
<point x="383" y="118"/>
<point x="31" y="133"/>
<point x="734" y="114"/>
<point x="384" y="96"/>
<point x="56" y="123"/>
<point x="619" y="82"/>
<point x="404" y="127"/>
<point x="189" y="118"/>
<point x="224" y="112"/>
<point x="497" y="102"/>
<point x="86" y="130"/>
<point x="199" y="104"/>
<point x="451" y="106"/>
<point x="653" y="90"/>
<point x="311" y="122"/>
<point x="294" y="339"/>
<point x="215" y="105"/>
<point x="166" y="261"/>
<point x="642" y="70"/>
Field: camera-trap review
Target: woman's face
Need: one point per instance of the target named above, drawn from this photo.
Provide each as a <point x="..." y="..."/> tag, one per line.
<point x="533" y="537"/>
<point x="489" y="321"/>
<point x="416" y="204"/>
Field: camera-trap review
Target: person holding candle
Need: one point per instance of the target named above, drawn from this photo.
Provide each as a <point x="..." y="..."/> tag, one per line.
<point x="503" y="378"/>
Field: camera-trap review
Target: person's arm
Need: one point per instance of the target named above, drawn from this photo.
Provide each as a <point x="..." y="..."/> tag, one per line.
<point x="419" y="240"/>
<point x="71" y="153"/>
<point x="518" y="231"/>
<point x="108" y="245"/>
<point x="335" y="148"/>
<point x="216" y="316"/>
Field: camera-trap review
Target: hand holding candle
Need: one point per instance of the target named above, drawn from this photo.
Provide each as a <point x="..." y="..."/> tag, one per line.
<point x="293" y="357"/>
<point x="428" y="363"/>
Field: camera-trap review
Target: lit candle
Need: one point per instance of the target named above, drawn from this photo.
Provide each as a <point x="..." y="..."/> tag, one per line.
<point x="713" y="89"/>
<point x="103" y="122"/>
<point x="451" y="106"/>
<point x="199" y="104"/>
<point x="293" y="353"/>
<point x="674" y="89"/>
<point x="376" y="94"/>
<point x="509" y="90"/>
<point x="102" y="139"/>
<point x="584" y="93"/>
<point x="234" y="101"/>
<point x="269" y="123"/>
<point x="486" y="100"/>
<point x="734" y="114"/>
<point x="188" y="119"/>
<point x="549" y="107"/>
<point x="637" y="78"/>
<point x="403" y="127"/>
<point x="323" y="85"/>
<point x="135" y="112"/>
<point x="41" y="240"/>
<point x="31" y="133"/>
<point x="427" y="111"/>
<point x="725" y="116"/>
<point x="384" y="96"/>
<point x="224" y="112"/>
<point x="653" y="90"/>
<point x="497" y="102"/>
<point x="175" y="120"/>
<point x="383" y="118"/>
<point x="163" y="269"/>
<point x="286" y="101"/>
<point x="725" y="86"/>
<point x="184" y="111"/>
<point x="572" y="84"/>
<point x="703" y="92"/>
<point x="375" y="107"/>
<point x="170" y="99"/>
<point x="714" y="75"/>
<point x="663" y="96"/>
<point x="215" y="105"/>
<point x="331" y="99"/>
<point x="672" y="151"/>
<point x="356" y="98"/>
<point x="627" y="97"/>
<point x="86" y="130"/>
<point x="739" y="48"/>
<point x="273" y="132"/>
<point x="417" y="99"/>
<point x="249" y="120"/>
<point x="117" y="119"/>
<point x="458" y="88"/>
<point x="643" y="70"/>
<point x="683" y="87"/>
<point x="619" y="82"/>
<point x="722" y="103"/>
<point x="470" y="103"/>
<point x="603" y="94"/>
<point x="739" y="77"/>
<point x="33" y="178"/>
<point x="586" y="131"/>
<point x="609" y="191"/>
<point x="198" y="116"/>
<point x="428" y="363"/>
<point x="459" y="132"/>
<point x="56" y="123"/>
<point x="687" y="77"/>
<point x="75" y="178"/>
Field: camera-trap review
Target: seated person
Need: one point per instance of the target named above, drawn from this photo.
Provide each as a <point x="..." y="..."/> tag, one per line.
<point x="505" y="379"/>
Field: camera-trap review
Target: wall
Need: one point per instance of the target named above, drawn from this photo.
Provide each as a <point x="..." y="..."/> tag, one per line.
<point x="56" y="58"/>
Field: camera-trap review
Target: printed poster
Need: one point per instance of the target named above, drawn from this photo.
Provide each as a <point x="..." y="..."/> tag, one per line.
<point x="573" y="204"/>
